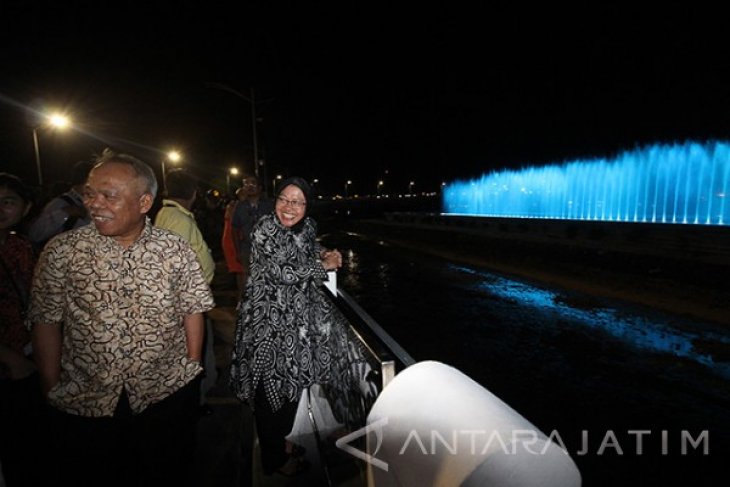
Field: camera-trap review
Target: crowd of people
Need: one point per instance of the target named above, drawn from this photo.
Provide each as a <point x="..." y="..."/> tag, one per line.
<point x="105" y="345"/>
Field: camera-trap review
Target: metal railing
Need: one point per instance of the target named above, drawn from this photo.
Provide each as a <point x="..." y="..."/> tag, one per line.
<point x="366" y="358"/>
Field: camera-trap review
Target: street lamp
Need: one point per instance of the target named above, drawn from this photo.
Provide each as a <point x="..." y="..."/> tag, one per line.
<point x="315" y="188"/>
<point x="252" y="101"/>
<point x="55" y="120"/>
<point x="347" y="184"/>
<point x="380" y="186"/>
<point x="232" y="171"/>
<point x="273" y="183"/>
<point x="174" y="157"/>
<point x="410" y="187"/>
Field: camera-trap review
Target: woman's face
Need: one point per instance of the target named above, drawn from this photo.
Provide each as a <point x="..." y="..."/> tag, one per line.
<point x="290" y="206"/>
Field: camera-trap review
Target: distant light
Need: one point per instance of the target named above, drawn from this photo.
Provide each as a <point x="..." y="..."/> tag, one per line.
<point x="234" y="171"/>
<point x="174" y="156"/>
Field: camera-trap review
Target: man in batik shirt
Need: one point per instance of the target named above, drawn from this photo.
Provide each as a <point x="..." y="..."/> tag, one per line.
<point x="117" y="324"/>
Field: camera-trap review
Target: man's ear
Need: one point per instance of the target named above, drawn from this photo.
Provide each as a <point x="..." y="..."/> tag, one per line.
<point x="145" y="202"/>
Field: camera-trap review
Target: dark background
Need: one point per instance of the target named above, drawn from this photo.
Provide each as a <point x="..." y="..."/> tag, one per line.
<point x="359" y="91"/>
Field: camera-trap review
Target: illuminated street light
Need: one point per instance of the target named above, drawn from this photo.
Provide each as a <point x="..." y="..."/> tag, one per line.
<point x="231" y="172"/>
<point x="174" y="157"/>
<point x="410" y="187"/>
<point x="347" y="184"/>
<point x="55" y="120"/>
<point x="380" y="186"/>
<point x="315" y="188"/>
<point x="273" y="183"/>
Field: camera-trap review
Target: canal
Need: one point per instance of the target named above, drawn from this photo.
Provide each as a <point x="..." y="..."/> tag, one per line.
<point x="637" y="397"/>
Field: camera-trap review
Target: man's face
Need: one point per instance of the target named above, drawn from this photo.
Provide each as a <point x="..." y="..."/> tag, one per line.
<point x="251" y="186"/>
<point x="117" y="202"/>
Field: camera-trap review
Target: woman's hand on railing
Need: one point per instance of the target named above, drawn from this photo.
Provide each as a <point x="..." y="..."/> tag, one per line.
<point x="331" y="259"/>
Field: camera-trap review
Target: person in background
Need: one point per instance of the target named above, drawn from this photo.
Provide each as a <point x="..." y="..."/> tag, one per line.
<point x="181" y="189"/>
<point x="208" y="211"/>
<point x="283" y="324"/>
<point x="20" y="401"/>
<point x="249" y="209"/>
<point x="180" y="193"/>
<point x="64" y="212"/>
<point x="228" y="243"/>
<point x="116" y="317"/>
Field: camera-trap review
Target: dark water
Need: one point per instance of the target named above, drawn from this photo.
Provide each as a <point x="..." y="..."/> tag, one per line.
<point x="588" y="370"/>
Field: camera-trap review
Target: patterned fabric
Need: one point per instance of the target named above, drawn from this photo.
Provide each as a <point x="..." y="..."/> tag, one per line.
<point x="282" y="336"/>
<point x="19" y="259"/>
<point x="122" y="313"/>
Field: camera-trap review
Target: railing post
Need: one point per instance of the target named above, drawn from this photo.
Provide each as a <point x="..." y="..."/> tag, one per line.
<point x="331" y="282"/>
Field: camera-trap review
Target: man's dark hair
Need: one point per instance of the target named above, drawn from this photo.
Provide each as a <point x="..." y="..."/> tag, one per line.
<point x="180" y="184"/>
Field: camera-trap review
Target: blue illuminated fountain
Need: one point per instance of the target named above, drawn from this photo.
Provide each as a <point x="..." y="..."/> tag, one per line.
<point x="663" y="183"/>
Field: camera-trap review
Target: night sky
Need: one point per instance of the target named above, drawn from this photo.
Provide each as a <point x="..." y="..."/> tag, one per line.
<point x="352" y="90"/>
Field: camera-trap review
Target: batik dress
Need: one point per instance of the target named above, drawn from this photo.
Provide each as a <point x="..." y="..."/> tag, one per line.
<point x="284" y="320"/>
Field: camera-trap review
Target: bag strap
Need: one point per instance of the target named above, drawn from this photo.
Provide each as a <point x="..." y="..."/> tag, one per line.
<point x="71" y="220"/>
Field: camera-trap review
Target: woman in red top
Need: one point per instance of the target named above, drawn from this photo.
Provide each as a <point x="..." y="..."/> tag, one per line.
<point x="227" y="243"/>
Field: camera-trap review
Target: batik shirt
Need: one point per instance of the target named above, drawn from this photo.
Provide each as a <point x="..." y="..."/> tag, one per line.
<point x="122" y="314"/>
<point x="283" y="325"/>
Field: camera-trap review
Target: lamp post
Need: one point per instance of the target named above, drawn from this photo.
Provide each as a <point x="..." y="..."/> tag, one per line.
<point x="252" y="101"/>
<point x="278" y="177"/>
<point x="56" y="120"/>
<point x="347" y="184"/>
<point x="232" y="171"/>
<point x="174" y="157"/>
<point x="380" y="186"/>
<point x="315" y="188"/>
<point x="410" y="187"/>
